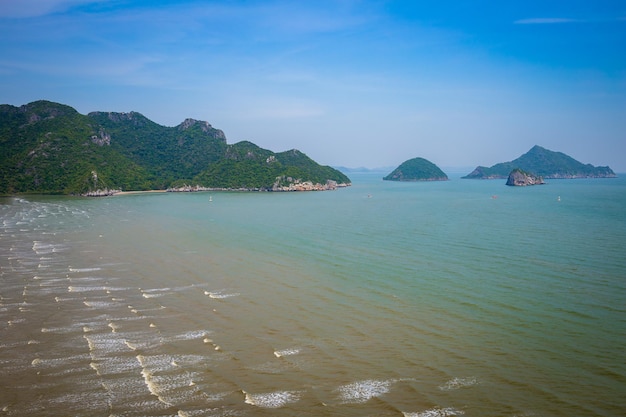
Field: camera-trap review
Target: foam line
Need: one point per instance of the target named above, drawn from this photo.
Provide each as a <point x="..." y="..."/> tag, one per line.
<point x="436" y="412"/>
<point x="273" y="399"/>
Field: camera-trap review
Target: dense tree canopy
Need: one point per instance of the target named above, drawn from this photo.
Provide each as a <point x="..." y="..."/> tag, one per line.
<point x="50" y="148"/>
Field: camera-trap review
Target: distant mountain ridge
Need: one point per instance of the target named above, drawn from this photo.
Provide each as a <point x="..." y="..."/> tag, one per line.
<point x="49" y="147"/>
<point x="544" y="163"/>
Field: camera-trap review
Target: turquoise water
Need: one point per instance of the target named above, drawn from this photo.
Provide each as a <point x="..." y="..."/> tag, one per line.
<point x="412" y="299"/>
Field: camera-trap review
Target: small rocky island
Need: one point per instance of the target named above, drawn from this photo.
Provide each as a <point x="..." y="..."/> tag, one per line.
<point x="417" y="169"/>
<point x="521" y="178"/>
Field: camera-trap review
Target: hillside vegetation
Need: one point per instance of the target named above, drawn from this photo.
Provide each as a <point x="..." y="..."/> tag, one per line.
<point x="51" y="148"/>
<point x="544" y="163"/>
<point x="417" y="169"/>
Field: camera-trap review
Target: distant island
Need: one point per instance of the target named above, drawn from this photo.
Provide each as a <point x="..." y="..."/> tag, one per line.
<point x="49" y="147"/>
<point x="417" y="169"/>
<point x="544" y="163"/>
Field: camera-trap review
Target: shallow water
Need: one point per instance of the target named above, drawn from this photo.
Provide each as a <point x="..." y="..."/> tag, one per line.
<point x="418" y="299"/>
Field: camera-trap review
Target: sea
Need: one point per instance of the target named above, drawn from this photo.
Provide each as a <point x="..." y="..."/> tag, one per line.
<point x="425" y="299"/>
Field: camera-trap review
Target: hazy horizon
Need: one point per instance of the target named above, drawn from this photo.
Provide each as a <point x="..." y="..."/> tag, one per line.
<point x="349" y="83"/>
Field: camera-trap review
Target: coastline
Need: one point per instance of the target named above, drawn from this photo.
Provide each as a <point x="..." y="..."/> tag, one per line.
<point x="300" y="186"/>
<point x="138" y="192"/>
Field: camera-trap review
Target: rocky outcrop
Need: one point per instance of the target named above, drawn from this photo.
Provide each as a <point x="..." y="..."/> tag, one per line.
<point x="100" y="193"/>
<point x="294" y="185"/>
<point x="204" y="127"/>
<point x="520" y="178"/>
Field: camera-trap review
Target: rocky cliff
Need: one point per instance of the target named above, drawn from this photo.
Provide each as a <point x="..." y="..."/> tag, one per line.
<point x="520" y="178"/>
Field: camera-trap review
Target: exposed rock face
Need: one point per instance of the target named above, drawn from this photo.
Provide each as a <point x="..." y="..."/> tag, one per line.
<point x="282" y="184"/>
<point x="520" y="178"/>
<point x="204" y="126"/>
<point x="137" y="119"/>
<point x="102" y="139"/>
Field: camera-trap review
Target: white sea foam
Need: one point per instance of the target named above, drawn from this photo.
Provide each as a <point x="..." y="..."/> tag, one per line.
<point x="168" y="381"/>
<point x="116" y="365"/>
<point x="63" y="362"/>
<point x="73" y="288"/>
<point x="41" y="248"/>
<point x="221" y="294"/>
<point x="193" y="413"/>
<point x="156" y="363"/>
<point x="192" y="335"/>
<point x="144" y="295"/>
<point x="273" y="399"/>
<point x="85" y="269"/>
<point x="152" y="290"/>
<point x="150" y="365"/>
<point x="99" y="304"/>
<point x="436" y="412"/>
<point x="362" y="391"/>
<point x="286" y="352"/>
<point x="152" y="387"/>
<point x="104" y="344"/>
<point x="18" y="344"/>
<point x="69" y="329"/>
<point x="456" y="383"/>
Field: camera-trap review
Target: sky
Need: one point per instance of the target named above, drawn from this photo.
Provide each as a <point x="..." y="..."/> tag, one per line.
<point x="349" y="83"/>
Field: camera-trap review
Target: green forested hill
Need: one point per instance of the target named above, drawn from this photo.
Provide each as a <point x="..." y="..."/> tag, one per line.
<point x="49" y="147"/>
<point x="545" y="163"/>
<point x="417" y="169"/>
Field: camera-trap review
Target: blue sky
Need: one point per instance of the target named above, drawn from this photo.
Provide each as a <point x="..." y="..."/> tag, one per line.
<point x="350" y="83"/>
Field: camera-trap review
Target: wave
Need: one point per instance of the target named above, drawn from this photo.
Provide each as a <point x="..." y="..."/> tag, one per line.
<point x="192" y="335"/>
<point x="144" y="295"/>
<point x="436" y="412"/>
<point x="362" y="391"/>
<point x="148" y="376"/>
<point x="84" y="269"/>
<point x="42" y="248"/>
<point x="456" y="383"/>
<point x="157" y="290"/>
<point x="286" y="352"/>
<point x="221" y="294"/>
<point x="73" y="288"/>
<point x="99" y="304"/>
<point x="273" y="399"/>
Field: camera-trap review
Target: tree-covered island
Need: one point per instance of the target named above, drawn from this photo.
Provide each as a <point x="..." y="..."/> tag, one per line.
<point x="417" y="169"/>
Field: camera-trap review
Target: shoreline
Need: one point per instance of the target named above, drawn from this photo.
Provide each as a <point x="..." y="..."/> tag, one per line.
<point x="299" y="187"/>
<point x="138" y="192"/>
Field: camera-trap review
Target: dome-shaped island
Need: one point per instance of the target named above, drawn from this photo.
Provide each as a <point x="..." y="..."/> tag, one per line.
<point x="417" y="169"/>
